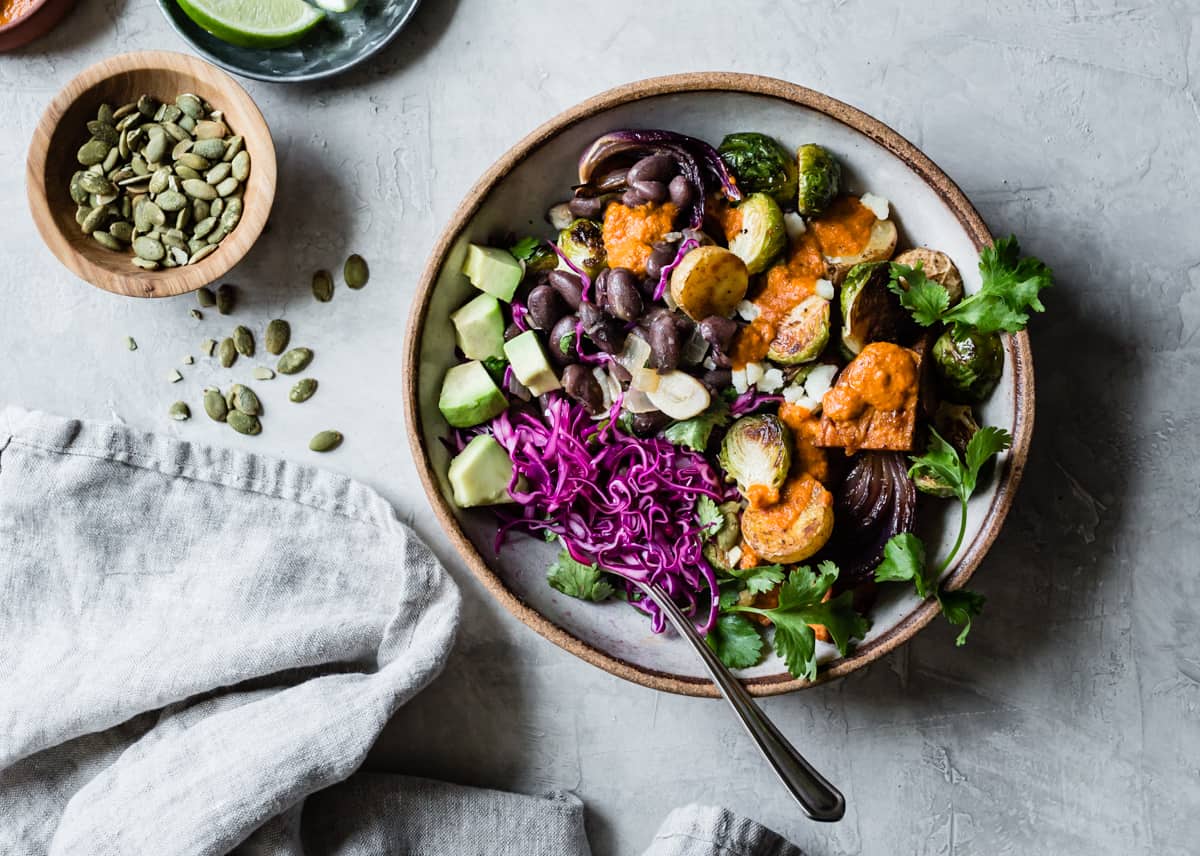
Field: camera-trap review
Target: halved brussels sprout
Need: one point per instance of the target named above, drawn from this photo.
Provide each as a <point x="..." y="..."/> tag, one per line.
<point x="956" y="423"/>
<point x="761" y="165"/>
<point x="794" y="528"/>
<point x="719" y="544"/>
<point x="756" y="453"/>
<point x="541" y="259"/>
<point x="968" y="363"/>
<point x="870" y="311"/>
<point x="880" y="245"/>
<point x="762" y="236"/>
<point x="820" y="179"/>
<point x="936" y="266"/>
<point x="803" y="333"/>
<point x="709" y="281"/>
<point x="583" y="243"/>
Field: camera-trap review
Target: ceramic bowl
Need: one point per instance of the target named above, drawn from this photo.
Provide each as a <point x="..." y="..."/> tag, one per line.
<point x="41" y="18"/>
<point x="538" y="172"/>
<point x="337" y="44"/>
<point x="62" y="130"/>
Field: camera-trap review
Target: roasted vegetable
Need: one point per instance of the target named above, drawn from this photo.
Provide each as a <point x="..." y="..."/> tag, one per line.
<point x="719" y="543"/>
<point x="873" y="403"/>
<point x="875" y="501"/>
<point x="761" y="165"/>
<point x="880" y="246"/>
<point x="968" y="364"/>
<point x="820" y="178"/>
<point x="936" y="266"/>
<point x="709" y="281"/>
<point x="957" y="423"/>
<point x="870" y="311"/>
<point x="803" y="333"/>
<point x="795" y="527"/>
<point x="583" y="243"/>
<point x="762" y="236"/>
<point x="757" y="453"/>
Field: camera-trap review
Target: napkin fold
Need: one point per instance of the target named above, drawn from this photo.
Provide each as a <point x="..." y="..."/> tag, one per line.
<point x="198" y="647"/>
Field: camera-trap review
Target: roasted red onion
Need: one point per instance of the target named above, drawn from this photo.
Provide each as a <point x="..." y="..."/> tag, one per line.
<point x="874" y="501"/>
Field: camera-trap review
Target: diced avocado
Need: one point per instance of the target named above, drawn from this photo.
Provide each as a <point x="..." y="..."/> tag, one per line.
<point x="529" y="363"/>
<point x="469" y="396"/>
<point x="480" y="473"/>
<point x="479" y="328"/>
<point x="493" y="270"/>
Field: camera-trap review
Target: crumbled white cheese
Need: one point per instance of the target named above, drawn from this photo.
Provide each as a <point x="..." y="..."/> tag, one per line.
<point x="709" y="363"/>
<point x="825" y="289"/>
<point x="560" y="216"/>
<point x="747" y="310"/>
<point x="793" y="393"/>
<point x="878" y="205"/>
<point x="820" y="380"/>
<point x="734" y="555"/>
<point x="794" y="224"/>
<point x="754" y="373"/>
<point x="739" y="381"/>
<point x="812" y="405"/>
<point x="771" y="381"/>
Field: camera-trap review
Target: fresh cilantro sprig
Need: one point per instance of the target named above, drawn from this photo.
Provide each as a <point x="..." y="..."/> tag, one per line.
<point x="576" y="579"/>
<point x="734" y="638"/>
<point x="904" y="558"/>
<point x="802" y="603"/>
<point x="1009" y="292"/>
<point x="523" y="249"/>
<point x="709" y="516"/>
<point x="694" y="433"/>
<point x="758" y="580"/>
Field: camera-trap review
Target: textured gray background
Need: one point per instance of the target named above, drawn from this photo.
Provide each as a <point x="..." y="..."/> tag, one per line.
<point x="1070" y="722"/>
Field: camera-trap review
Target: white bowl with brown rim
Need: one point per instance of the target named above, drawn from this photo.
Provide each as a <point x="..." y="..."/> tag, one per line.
<point x="539" y="171"/>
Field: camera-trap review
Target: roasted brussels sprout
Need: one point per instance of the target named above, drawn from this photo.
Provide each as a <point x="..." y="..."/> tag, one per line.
<point x="761" y="165"/>
<point x="870" y="311"/>
<point x="956" y="423"/>
<point x="583" y="243"/>
<point x="803" y="333"/>
<point x="756" y="453"/>
<point x="541" y="259"/>
<point x="762" y="236"/>
<point x="820" y="179"/>
<point x="721" y="542"/>
<point x="936" y="266"/>
<point x="968" y="364"/>
<point x="795" y="527"/>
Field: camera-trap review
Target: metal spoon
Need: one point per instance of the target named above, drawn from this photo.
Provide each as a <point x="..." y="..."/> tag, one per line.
<point x="819" y="799"/>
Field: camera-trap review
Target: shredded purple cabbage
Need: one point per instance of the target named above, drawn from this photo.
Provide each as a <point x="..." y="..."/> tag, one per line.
<point x="625" y="503"/>
<point x="751" y="400"/>
<point x="519" y="311"/>
<point x="665" y="277"/>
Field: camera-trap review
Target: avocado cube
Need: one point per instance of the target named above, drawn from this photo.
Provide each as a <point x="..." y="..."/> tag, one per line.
<point x="480" y="473"/>
<point x="493" y="270"/>
<point x="469" y="396"/>
<point x="479" y="328"/>
<point x="529" y="363"/>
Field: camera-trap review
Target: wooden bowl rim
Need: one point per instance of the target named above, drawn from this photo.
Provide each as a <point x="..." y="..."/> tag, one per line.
<point x="167" y="282"/>
<point x="1017" y="346"/>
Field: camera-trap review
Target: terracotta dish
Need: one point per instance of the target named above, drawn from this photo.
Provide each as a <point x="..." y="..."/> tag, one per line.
<point x="41" y="17"/>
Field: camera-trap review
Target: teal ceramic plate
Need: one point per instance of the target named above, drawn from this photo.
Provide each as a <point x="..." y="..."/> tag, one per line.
<point x="338" y="43"/>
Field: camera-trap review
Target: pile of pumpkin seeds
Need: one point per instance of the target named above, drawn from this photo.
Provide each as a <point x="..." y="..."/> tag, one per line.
<point x="164" y="179"/>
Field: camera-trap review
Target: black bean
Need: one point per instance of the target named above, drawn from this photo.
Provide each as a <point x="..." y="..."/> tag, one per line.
<point x="605" y="333"/>
<point x="545" y="307"/>
<point x="600" y="287"/>
<point x="649" y="423"/>
<point x="718" y="331"/>
<point x="651" y="191"/>
<point x="683" y="325"/>
<point x="511" y="332"/>
<point x="717" y="380"/>
<point x="632" y="199"/>
<point x="622" y="299"/>
<point x="581" y="385"/>
<point x="664" y="343"/>
<point x="563" y="334"/>
<point x="649" y="285"/>
<point x="652" y="168"/>
<point x="590" y="207"/>
<point x="681" y="191"/>
<point x="568" y="285"/>
<point x="619" y="372"/>
<point x="661" y="255"/>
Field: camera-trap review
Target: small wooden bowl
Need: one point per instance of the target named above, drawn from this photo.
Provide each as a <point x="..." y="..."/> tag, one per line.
<point x="62" y="130"/>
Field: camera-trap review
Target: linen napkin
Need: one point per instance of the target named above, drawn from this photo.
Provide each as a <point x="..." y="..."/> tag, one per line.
<point x="198" y="647"/>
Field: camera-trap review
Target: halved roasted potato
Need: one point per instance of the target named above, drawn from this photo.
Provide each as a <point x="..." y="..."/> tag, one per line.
<point x="803" y="333"/>
<point x="795" y="527"/>
<point x="870" y="311"/>
<point x="936" y="266"/>
<point x="880" y="246"/>
<point x="709" y="281"/>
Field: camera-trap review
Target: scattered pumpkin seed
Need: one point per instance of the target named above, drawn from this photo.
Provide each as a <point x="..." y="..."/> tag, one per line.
<point x="214" y="405"/>
<point x="227" y="352"/>
<point x="245" y="400"/>
<point x="303" y="390"/>
<point x="243" y="423"/>
<point x="355" y="272"/>
<point x="226" y="298"/>
<point x="179" y="411"/>
<point x="322" y="286"/>
<point x="243" y="340"/>
<point x="196" y="314"/>
<point x="107" y="241"/>
<point x="263" y="373"/>
<point x="278" y="334"/>
<point x="294" y="361"/>
<point x="208" y="346"/>
<point x="325" y="441"/>
<point x="130" y="343"/>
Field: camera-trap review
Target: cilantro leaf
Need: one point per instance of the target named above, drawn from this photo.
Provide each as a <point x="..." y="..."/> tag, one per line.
<point x="576" y="579"/>
<point x="524" y="248"/>
<point x="959" y="607"/>
<point x="495" y="367"/>
<point x="801" y="604"/>
<point x="736" y="641"/>
<point x="904" y="561"/>
<point x="984" y="445"/>
<point x="941" y="460"/>
<point x="694" y="433"/>
<point x="925" y="299"/>
<point x="1010" y="290"/>
<point x="709" y="516"/>
<point x="757" y="580"/>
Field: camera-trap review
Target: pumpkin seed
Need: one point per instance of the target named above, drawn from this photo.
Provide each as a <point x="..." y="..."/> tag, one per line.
<point x="263" y="373"/>
<point x="193" y="161"/>
<point x="176" y="133"/>
<point x="228" y="186"/>
<point x="122" y="231"/>
<point x="234" y="145"/>
<point x="213" y="149"/>
<point x="95" y="219"/>
<point x="104" y="132"/>
<point x="179" y="255"/>
<point x="214" y="405"/>
<point x="171" y="201"/>
<point x="202" y="253"/>
<point x="227" y="352"/>
<point x="179" y="411"/>
<point x="279" y="333"/>
<point x="294" y="361"/>
<point x="355" y="272"/>
<point x="147" y="106"/>
<point x="204" y="227"/>
<point x="158" y="181"/>
<point x="322" y="286"/>
<point x="325" y="441"/>
<point x="241" y="165"/>
<point x="168" y="113"/>
<point x="244" y="423"/>
<point x="187" y="172"/>
<point x="106" y="115"/>
<point x="226" y="298"/>
<point x="198" y="189"/>
<point x="149" y="249"/>
<point x="93" y="152"/>
<point x="144" y="264"/>
<point x="196" y="314"/>
<point x="156" y="149"/>
<point x="107" y="241"/>
<point x="78" y="194"/>
<point x="130" y="343"/>
<point x="205" y="298"/>
<point x="208" y="346"/>
<point x="124" y="110"/>
<point x="207" y="129"/>
<point x="303" y="390"/>
<point x="218" y="173"/>
<point x="190" y="104"/>
<point x="182" y="218"/>
<point x="243" y="340"/>
<point x="245" y="400"/>
<point x="93" y="183"/>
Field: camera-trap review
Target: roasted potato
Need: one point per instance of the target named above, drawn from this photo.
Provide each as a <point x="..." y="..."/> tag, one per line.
<point x="709" y="281"/>
<point x="880" y="247"/>
<point x="936" y="266"/>
<point x="795" y="527"/>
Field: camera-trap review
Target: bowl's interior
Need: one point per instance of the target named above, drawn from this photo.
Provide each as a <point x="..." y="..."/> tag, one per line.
<point x="111" y="269"/>
<point x="518" y="203"/>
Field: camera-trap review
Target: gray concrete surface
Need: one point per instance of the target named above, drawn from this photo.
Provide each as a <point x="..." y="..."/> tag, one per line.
<point x="1069" y="724"/>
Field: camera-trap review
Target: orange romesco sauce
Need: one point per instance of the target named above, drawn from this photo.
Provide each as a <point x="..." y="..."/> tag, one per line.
<point x="842" y="230"/>
<point x="808" y="458"/>
<point x="629" y="233"/>
<point x="12" y="10"/>
<point x="882" y="376"/>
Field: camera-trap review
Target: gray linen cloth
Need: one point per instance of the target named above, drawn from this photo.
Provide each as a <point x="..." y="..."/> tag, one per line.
<point x="198" y="647"/>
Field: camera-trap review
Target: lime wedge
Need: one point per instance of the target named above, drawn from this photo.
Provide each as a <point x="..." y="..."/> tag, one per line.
<point x="254" y="23"/>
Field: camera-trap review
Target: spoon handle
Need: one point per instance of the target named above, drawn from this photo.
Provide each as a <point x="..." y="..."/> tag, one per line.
<point x="819" y="799"/>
